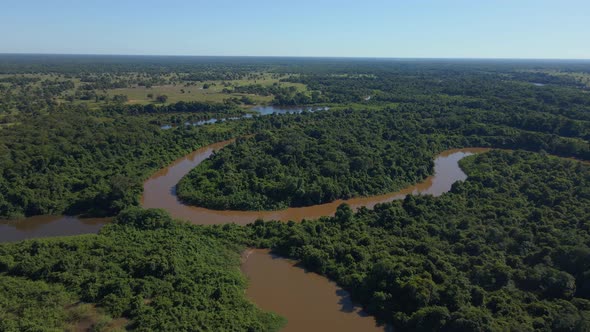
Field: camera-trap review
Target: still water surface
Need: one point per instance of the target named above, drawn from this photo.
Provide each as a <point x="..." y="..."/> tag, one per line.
<point x="257" y="111"/>
<point x="46" y="226"/>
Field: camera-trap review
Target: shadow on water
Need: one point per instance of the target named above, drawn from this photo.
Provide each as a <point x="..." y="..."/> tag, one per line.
<point x="346" y="302"/>
<point x="48" y="226"/>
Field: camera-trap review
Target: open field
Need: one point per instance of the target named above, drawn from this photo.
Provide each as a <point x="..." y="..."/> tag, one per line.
<point x="178" y="92"/>
<point x="582" y="78"/>
<point x="139" y="88"/>
<point x="208" y="91"/>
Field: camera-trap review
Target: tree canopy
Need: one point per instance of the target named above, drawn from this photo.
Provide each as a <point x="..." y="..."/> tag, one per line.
<point x="159" y="273"/>
<point x="505" y="250"/>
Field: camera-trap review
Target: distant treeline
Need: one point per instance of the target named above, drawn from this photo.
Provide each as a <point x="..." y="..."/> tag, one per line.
<point x="179" y="107"/>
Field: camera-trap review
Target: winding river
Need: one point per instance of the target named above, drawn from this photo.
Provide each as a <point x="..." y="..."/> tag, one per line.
<point x="159" y="191"/>
<point x="309" y="302"/>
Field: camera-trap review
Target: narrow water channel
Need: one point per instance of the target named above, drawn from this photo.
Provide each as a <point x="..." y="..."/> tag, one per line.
<point x="47" y="226"/>
<point x="159" y="191"/>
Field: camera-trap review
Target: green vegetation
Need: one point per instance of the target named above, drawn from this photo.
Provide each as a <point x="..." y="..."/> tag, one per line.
<point x="556" y="76"/>
<point x="310" y="159"/>
<point x="161" y="274"/>
<point x="33" y="305"/>
<point x="50" y="86"/>
<point x="386" y="127"/>
<point x="309" y="164"/>
<point x="80" y="162"/>
<point x="505" y="250"/>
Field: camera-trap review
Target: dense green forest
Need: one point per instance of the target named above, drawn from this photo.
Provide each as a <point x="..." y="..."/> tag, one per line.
<point x="314" y="158"/>
<point x="505" y="250"/>
<point x="508" y="249"/>
<point x="307" y="165"/>
<point x="79" y="162"/>
<point x="386" y="125"/>
<point x="160" y="274"/>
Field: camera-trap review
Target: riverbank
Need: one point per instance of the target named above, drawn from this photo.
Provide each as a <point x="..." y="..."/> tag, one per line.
<point x="160" y="192"/>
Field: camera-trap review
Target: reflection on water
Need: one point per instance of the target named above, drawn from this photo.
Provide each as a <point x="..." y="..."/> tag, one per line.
<point x="45" y="226"/>
<point x="267" y="110"/>
<point x="260" y="110"/>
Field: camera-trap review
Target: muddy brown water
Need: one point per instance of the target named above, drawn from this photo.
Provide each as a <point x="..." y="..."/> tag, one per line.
<point x="47" y="226"/>
<point x="309" y="301"/>
<point x="159" y="191"/>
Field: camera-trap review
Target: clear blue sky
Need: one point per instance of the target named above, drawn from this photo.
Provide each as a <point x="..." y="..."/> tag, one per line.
<point x="369" y="28"/>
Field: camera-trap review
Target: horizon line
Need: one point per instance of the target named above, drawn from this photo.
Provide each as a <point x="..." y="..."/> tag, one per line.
<point x="291" y="56"/>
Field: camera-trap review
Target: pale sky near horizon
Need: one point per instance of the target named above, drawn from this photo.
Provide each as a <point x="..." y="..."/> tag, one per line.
<point x="369" y="28"/>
